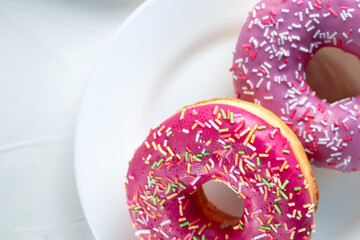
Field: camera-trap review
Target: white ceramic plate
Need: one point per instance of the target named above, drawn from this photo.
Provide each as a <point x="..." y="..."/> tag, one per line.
<point x="169" y="53"/>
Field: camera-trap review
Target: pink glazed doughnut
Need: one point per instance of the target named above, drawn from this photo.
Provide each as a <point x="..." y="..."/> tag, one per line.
<point x="275" y="45"/>
<point x="240" y="144"/>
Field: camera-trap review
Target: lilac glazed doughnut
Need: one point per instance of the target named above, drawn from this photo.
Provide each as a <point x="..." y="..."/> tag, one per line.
<point x="240" y="144"/>
<point x="276" y="43"/>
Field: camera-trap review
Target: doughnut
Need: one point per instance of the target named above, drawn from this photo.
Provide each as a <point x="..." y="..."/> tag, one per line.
<point x="276" y="43"/>
<point x="243" y="146"/>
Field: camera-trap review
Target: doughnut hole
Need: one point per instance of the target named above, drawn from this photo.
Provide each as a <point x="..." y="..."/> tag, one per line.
<point x="334" y="74"/>
<point x="220" y="204"/>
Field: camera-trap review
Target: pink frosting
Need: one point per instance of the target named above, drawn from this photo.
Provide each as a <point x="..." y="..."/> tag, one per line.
<point x="229" y="144"/>
<point x="277" y="41"/>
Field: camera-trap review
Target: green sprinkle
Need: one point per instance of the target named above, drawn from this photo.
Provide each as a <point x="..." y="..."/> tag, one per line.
<point x="169" y="134"/>
<point x="297" y="189"/>
<point x="301" y="175"/>
<point x="203" y="237"/>
<point x="286" y="151"/>
<point x="261" y="127"/>
<point x="186" y="156"/>
<point x="223" y="130"/>
<point x="265" y="227"/>
<point x="308" y="233"/>
<point x="184" y="224"/>
<point x="232" y="118"/>
<point x="199" y="155"/>
<point x="298" y="218"/>
<point x="174" y="184"/>
<point x="235" y="187"/>
<point x="283" y="194"/>
<point x="266" y="182"/>
<point x="196" y="158"/>
<point x="274" y="131"/>
<point x="227" y="146"/>
<point x="277" y="209"/>
<point x="135" y="211"/>
<point x="155" y="201"/>
<point x="154" y="165"/>
<point x="174" y="189"/>
<point x="278" y="225"/>
<point x="241" y="226"/>
<point x="241" y="152"/>
<point x="277" y="199"/>
<point x="284" y="184"/>
<point x="207" y="153"/>
<point x="182" y="114"/>
<point x="160" y="161"/>
<point x="168" y="189"/>
<point x="223" y="113"/>
<point x="258" y="161"/>
<point x="195" y="238"/>
<point x="182" y="185"/>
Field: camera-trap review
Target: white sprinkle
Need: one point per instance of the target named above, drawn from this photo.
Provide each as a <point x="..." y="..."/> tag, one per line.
<point x="310" y="28"/>
<point x="260" y="236"/>
<point x="259" y="83"/>
<point x="282" y="66"/>
<point x="165" y="222"/>
<point x="195" y="180"/>
<point x="142" y="231"/>
<point x="221" y="141"/>
<point x="251" y="147"/>
<point x="317" y="33"/>
<point x="214" y="124"/>
<point x="268" y="97"/>
<point x="285" y="10"/>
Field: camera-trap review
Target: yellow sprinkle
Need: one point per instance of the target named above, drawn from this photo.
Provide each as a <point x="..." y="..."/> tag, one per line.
<point x="194" y="126"/>
<point x="263" y="155"/>
<point x="183" y="219"/>
<point x="208" y="143"/>
<point x="287" y="166"/>
<point x="194" y="227"/>
<point x="189" y="168"/>
<point x="306" y="186"/>
<point x="225" y="169"/>
<point x="252" y="139"/>
<point x="215" y="110"/>
<point x="242" y="195"/>
<point x="249" y="166"/>
<point x="250" y="134"/>
<point x="273" y="227"/>
<point x="172" y="195"/>
<point x="277" y="191"/>
<point x="270" y="219"/>
<point x="218" y="116"/>
<point x="292" y="235"/>
<point x="206" y="170"/>
<point x="253" y="155"/>
<point x="268" y="149"/>
<point x="241" y="166"/>
<point x="161" y="150"/>
<point x="291" y="195"/>
<point x="147" y="161"/>
<point x="154" y="135"/>
<point x="260" y="221"/>
<point x="147" y="144"/>
<point x="244" y="132"/>
<point x="218" y="121"/>
<point x="154" y="145"/>
<point x="178" y="156"/>
<point x="302" y="230"/>
<point x="170" y="151"/>
<point x="231" y="140"/>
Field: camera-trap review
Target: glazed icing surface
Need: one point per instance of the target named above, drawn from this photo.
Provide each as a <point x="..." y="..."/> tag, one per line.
<point x="224" y="143"/>
<point x="276" y="43"/>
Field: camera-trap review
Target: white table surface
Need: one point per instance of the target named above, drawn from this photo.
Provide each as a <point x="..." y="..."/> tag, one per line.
<point x="48" y="49"/>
